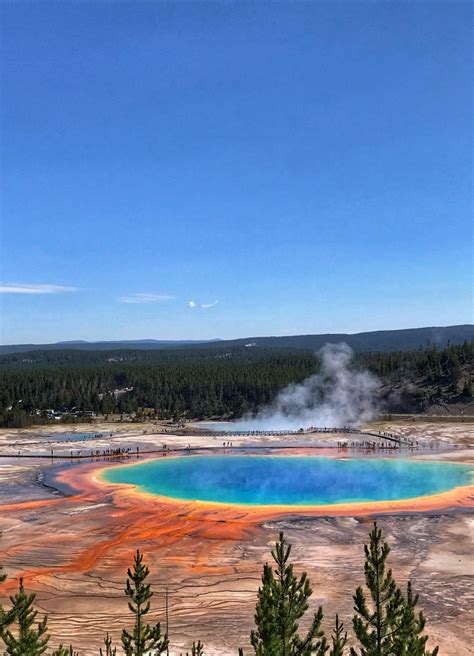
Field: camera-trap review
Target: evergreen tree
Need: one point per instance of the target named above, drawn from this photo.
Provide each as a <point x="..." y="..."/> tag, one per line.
<point x="30" y="639"/>
<point x="374" y="625"/>
<point x="144" y="638"/>
<point x="454" y="369"/>
<point x="6" y="617"/>
<point x="282" y="602"/>
<point x="196" y="650"/>
<point x="392" y="626"/>
<point x="64" y="651"/>
<point x="467" y="389"/>
<point x="407" y="638"/>
<point x="339" y="639"/>
<point x="109" y="649"/>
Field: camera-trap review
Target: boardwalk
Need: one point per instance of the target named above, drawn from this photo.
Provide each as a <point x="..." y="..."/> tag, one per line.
<point x="390" y="437"/>
<point x="382" y="441"/>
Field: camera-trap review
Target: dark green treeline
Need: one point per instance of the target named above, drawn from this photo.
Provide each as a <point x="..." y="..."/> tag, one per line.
<point x="195" y="383"/>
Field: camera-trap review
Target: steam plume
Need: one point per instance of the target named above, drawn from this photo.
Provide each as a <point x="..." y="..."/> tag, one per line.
<point x="337" y="396"/>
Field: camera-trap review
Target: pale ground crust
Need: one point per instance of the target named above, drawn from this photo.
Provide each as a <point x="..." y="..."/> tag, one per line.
<point x="74" y="550"/>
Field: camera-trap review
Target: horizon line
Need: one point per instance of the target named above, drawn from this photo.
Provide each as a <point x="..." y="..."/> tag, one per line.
<point x="230" y="339"/>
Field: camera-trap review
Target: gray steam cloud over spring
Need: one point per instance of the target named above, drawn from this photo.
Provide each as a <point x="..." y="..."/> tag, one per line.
<point x="337" y="396"/>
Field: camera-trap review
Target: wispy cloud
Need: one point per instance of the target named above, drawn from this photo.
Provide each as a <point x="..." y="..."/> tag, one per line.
<point x="34" y="288"/>
<point x="145" y="298"/>
<point x="203" y="306"/>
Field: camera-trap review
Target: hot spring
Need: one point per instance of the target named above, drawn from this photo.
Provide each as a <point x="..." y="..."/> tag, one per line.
<point x="290" y="480"/>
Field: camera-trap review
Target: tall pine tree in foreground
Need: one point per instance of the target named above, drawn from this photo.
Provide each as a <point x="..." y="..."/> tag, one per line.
<point x="338" y="638"/>
<point x="31" y="637"/>
<point x="196" y="650"/>
<point x="407" y="638"/>
<point x="110" y="650"/>
<point x="388" y="625"/>
<point x="144" y="638"/>
<point x="5" y="616"/>
<point x="27" y="640"/>
<point x="282" y="602"/>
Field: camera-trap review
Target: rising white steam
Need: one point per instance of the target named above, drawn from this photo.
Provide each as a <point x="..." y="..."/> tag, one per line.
<point x="338" y="396"/>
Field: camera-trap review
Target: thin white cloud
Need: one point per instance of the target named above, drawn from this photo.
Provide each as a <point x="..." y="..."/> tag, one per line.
<point x="203" y="306"/>
<point x="34" y="288"/>
<point x="145" y="298"/>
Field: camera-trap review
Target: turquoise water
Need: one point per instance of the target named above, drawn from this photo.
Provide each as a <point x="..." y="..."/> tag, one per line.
<point x="294" y="480"/>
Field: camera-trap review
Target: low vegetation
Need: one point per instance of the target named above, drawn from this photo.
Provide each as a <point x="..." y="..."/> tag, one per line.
<point x="385" y="621"/>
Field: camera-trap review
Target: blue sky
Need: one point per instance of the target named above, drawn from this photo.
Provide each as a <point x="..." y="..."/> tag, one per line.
<point x="299" y="167"/>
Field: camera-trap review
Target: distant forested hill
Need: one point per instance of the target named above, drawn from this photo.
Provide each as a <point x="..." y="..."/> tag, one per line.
<point x="197" y="385"/>
<point x="140" y="344"/>
<point x="381" y="341"/>
<point x="203" y="382"/>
